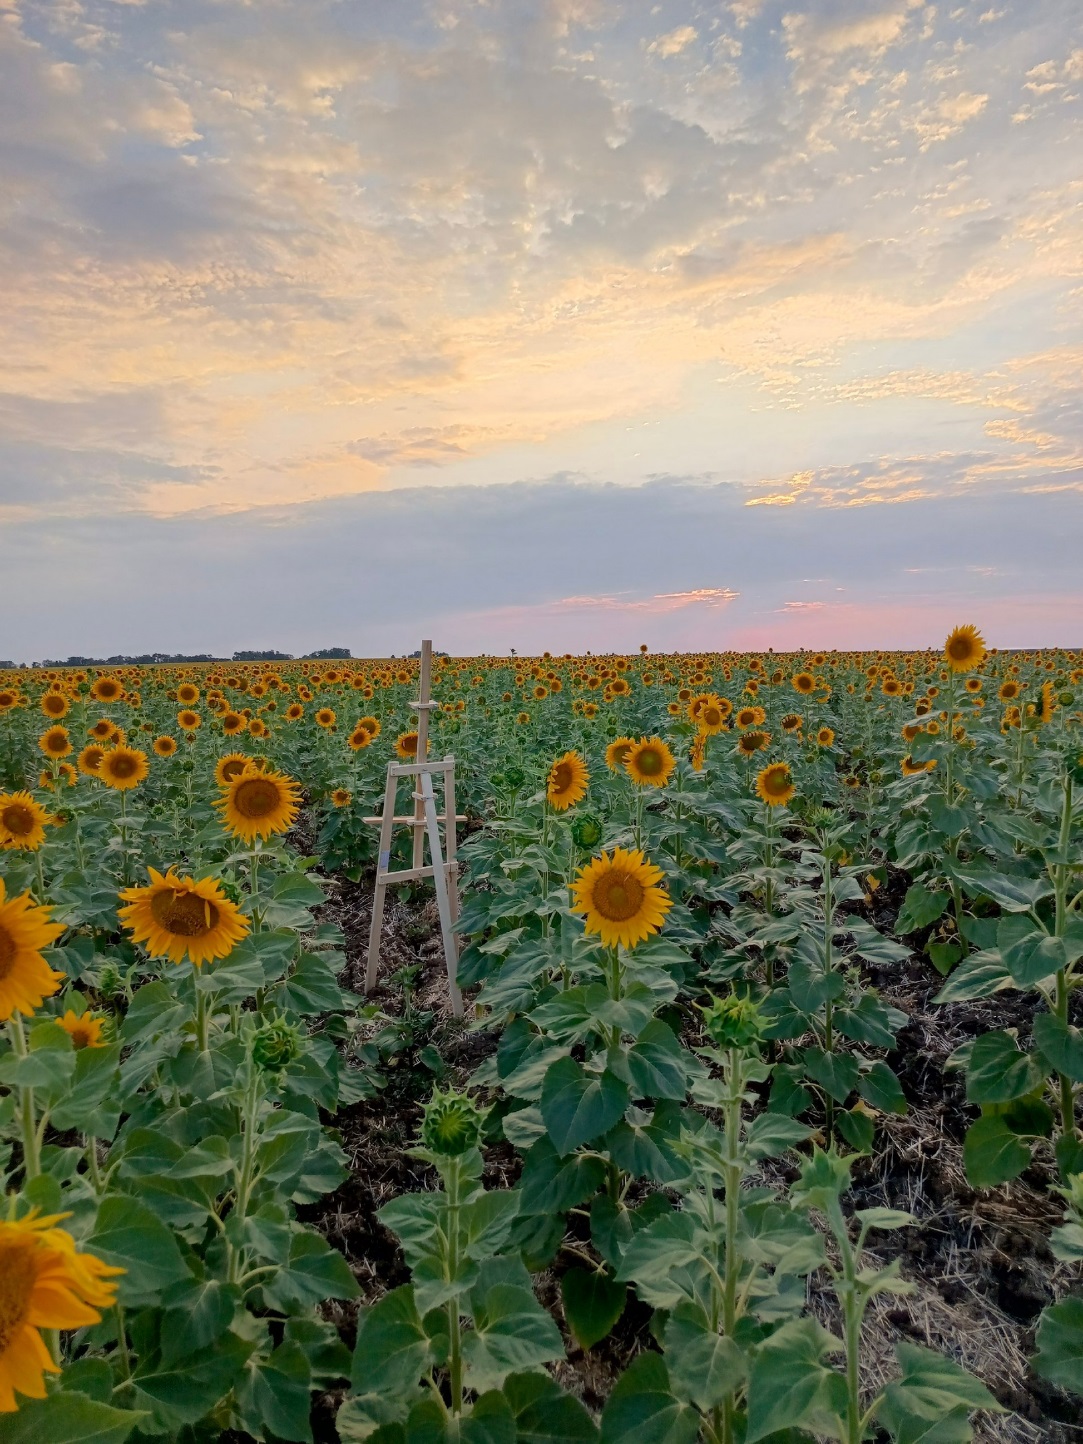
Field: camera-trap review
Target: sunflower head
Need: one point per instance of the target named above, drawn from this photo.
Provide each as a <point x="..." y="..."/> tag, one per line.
<point x="620" y="898"/>
<point x="176" y="917"/>
<point x="325" y="717"/>
<point x="55" y="742"/>
<point x="123" y="768"/>
<point x="451" y="1124"/>
<point x="26" y="980"/>
<point x="749" y="743"/>
<point x="964" y="649"/>
<point x="107" y="689"/>
<point x="825" y="737"/>
<point x="54" y="705"/>
<point x="567" y="781"/>
<point x="230" y="766"/>
<point x="774" y="785"/>
<point x="341" y="797"/>
<point x="259" y="802"/>
<point x="187" y="720"/>
<point x="617" y="751"/>
<point x="188" y="693"/>
<point x="406" y="746"/>
<point x="165" y="746"/>
<point x="649" y="762"/>
<point x="276" y="1044"/>
<point x="359" y="739"/>
<point x="22" y="822"/>
<point x="90" y="759"/>
<point x="733" y="1022"/>
<point x="84" y="1029"/>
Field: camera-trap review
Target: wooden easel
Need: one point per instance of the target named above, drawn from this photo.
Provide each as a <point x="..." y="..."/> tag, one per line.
<point x="425" y="821"/>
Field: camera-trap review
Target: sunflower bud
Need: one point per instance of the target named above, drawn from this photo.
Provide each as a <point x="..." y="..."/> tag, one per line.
<point x="733" y="1022"/>
<point x="110" y="982"/>
<point x="587" y="831"/>
<point x="276" y="1044"/>
<point x="452" y="1123"/>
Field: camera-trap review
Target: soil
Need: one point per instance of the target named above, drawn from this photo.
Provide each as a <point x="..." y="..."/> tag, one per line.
<point x="979" y="1263"/>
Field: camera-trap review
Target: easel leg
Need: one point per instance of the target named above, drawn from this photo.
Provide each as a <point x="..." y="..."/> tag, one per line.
<point x="383" y="863"/>
<point x="440" y="878"/>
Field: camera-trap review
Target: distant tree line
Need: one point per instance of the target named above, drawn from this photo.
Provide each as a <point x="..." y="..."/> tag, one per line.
<point x="150" y="659"/>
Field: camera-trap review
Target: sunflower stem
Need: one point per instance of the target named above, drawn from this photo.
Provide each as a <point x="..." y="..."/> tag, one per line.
<point x="27" y="1113"/>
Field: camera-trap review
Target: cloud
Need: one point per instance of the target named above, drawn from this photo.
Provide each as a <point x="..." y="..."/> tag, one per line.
<point x="672" y="44"/>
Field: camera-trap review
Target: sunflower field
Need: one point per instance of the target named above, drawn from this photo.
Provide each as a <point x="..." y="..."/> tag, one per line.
<point x="764" y="1122"/>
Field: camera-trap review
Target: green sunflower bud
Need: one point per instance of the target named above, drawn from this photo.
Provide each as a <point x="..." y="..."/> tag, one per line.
<point x="733" y="1022"/>
<point x="110" y="983"/>
<point x="587" y="831"/>
<point x="276" y="1044"/>
<point x="451" y="1124"/>
<point x="514" y="777"/>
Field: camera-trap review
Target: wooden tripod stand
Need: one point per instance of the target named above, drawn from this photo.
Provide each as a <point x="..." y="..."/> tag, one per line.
<point x="425" y="821"/>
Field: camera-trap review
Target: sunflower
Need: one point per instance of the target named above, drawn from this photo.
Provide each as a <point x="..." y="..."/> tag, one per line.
<point x="406" y="746"/>
<point x="567" y="781"/>
<point x="123" y="768"/>
<point x="90" y="759"/>
<point x="44" y="1284"/>
<point x="103" y="729"/>
<point x="258" y="803"/>
<point x="188" y="693"/>
<point x="230" y="766"/>
<point x="749" y="743"/>
<point x="774" y="785"/>
<point x="973" y="684"/>
<point x="22" y="821"/>
<point x="523" y="718"/>
<point x="590" y="709"/>
<point x="107" y="689"/>
<point x="294" y="712"/>
<point x="1009" y="691"/>
<point x="188" y="721"/>
<point x="54" y="705"/>
<point x="84" y="1030"/>
<point x="371" y="726"/>
<point x="617" y="751"/>
<point x="232" y="723"/>
<point x="620" y="898"/>
<point x="64" y="773"/>
<point x="825" y="737"/>
<point x="26" y="980"/>
<point x="325" y="717"/>
<point x="341" y="797"/>
<point x="804" y="682"/>
<point x="539" y="692"/>
<point x="165" y="746"/>
<point x="910" y="768"/>
<point x="964" y="649"/>
<point x="55" y="742"/>
<point x="8" y="699"/>
<point x="1048" y="706"/>
<point x="792" y="722"/>
<point x="650" y="762"/>
<point x="176" y="917"/>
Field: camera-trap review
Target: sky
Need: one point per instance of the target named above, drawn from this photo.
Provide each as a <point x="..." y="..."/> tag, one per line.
<point x="568" y="324"/>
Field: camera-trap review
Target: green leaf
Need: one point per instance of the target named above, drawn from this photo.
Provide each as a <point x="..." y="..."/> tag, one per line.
<point x="593" y="1302"/>
<point x="490" y="1421"/>
<point x="643" y="1409"/>
<point x="393" y="1350"/>
<point x="657" y="1063"/>
<point x="577" y="1107"/>
<point x="1060" y="1345"/>
<point x="512" y="1332"/>
<point x="274" y="1395"/>
<point x="997" y="1072"/>
<point x="932" y="1390"/>
<point x="182" y="1393"/>
<point x="704" y="1365"/>
<point x="836" y="1073"/>
<point x="68" y="1418"/>
<point x="545" y="1414"/>
<point x="153" y="1009"/>
<point x="1014" y="894"/>
<point x="772" y="1134"/>
<point x="992" y="1154"/>
<point x="979" y="976"/>
<point x="1060" y="1044"/>
<point x="197" y="1312"/>
<point x="788" y="1385"/>
<point x="881" y="1089"/>
<point x="95" y="1080"/>
<point x="1029" y="954"/>
<point x="858" y="1129"/>
<point x="921" y="906"/>
<point x="872" y="945"/>
<point x="314" y="1271"/>
<point x="129" y="1236"/>
<point x="944" y="956"/>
